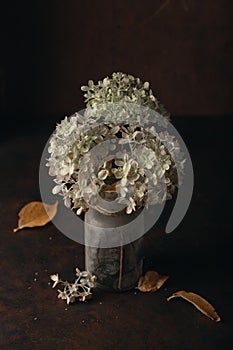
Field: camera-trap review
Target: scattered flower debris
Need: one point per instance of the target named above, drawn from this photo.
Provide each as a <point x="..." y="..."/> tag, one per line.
<point x="80" y="288"/>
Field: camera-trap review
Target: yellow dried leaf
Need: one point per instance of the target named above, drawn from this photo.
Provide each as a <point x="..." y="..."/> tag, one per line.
<point x="200" y="303"/>
<point x="151" y="282"/>
<point x="36" y="214"/>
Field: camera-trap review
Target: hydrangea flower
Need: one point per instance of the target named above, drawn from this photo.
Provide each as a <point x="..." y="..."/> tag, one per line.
<point x="80" y="289"/>
<point x="109" y="142"/>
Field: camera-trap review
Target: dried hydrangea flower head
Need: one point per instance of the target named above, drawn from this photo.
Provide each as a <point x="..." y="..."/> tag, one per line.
<point x="118" y="115"/>
<point x="122" y="87"/>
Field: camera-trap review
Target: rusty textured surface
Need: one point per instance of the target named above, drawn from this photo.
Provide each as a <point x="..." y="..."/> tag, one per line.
<point x="197" y="257"/>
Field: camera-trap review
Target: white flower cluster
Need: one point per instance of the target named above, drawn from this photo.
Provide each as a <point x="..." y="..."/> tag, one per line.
<point x="117" y="141"/>
<point x="121" y="87"/>
<point x="81" y="288"/>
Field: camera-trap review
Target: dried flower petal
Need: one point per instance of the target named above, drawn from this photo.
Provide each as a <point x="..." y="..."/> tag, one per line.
<point x="151" y="282"/>
<point x="36" y="214"/>
<point x="62" y="295"/>
<point x="54" y="278"/>
<point x="199" y="302"/>
<point x="102" y="174"/>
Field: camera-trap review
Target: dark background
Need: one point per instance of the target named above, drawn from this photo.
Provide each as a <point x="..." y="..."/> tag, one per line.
<point x="48" y="50"/>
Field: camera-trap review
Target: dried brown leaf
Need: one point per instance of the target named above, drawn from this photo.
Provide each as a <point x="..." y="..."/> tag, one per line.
<point x="151" y="282"/>
<point x="36" y="214"/>
<point x="199" y="302"/>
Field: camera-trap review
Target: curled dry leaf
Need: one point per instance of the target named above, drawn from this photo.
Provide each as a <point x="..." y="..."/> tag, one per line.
<point x="36" y="214"/>
<point x="151" y="282"/>
<point x="199" y="302"/>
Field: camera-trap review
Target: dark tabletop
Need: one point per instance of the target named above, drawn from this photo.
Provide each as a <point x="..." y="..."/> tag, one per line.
<point x="197" y="257"/>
